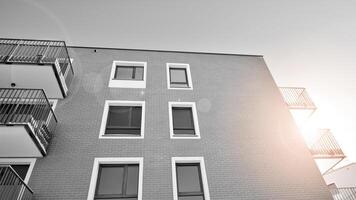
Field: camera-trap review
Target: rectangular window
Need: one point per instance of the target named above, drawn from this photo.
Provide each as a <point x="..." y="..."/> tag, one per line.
<point x="189" y="183"/>
<point x="116" y="178"/>
<point x="123" y="119"/>
<point x="128" y="74"/>
<point x="117" y="181"/>
<point x="189" y="179"/>
<point x="178" y="76"/>
<point x="183" y="120"/>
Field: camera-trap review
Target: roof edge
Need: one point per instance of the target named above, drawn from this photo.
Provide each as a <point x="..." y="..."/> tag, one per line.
<point x="167" y="51"/>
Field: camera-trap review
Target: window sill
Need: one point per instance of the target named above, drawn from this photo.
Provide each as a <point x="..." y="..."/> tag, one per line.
<point x="127" y="84"/>
<point x="185" y="137"/>
<point x="173" y="88"/>
<point x="121" y="136"/>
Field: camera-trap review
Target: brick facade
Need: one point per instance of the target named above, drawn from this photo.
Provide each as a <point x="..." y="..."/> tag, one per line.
<point x="249" y="141"/>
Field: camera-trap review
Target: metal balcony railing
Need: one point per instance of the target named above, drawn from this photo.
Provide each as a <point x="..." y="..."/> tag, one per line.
<point x="346" y="193"/>
<point x="12" y="187"/>
<point x="25" y="51"/>
<point x="326" y="146"/>
<point x="297" y="98"/>
<point x="28" y="106"/>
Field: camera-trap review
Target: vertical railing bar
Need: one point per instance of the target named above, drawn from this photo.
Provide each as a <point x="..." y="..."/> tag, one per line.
<point x="12" y="105"/>
<point x="35" y="110"/>
<point x="20" y="108"/>
<point x="12" y="52"/>
<point x="27" y="108"/>
<point x="4" y="107"/>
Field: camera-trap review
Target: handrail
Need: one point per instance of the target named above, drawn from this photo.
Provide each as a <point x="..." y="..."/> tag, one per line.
<point x="343" y="193"/>
<point x="326" y="146"/>
<point x="34" y="51"/>
<point x="32" y="108"/>
<point x="44" y="93"/>
<point x="297" y="98"/>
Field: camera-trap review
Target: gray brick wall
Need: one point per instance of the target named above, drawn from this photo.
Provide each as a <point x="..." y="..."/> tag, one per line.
<point x="249" y="142"/>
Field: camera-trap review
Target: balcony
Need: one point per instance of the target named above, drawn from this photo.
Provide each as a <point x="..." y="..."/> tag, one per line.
<point x="12" y="186"/>
<point x="27" y="123"/>
<point x="326" y="151"/>
<point x="326" y="146"/>
<point x="36" y="64"/>
<point x="347" y="193"/>
<point x="299" y="103"/>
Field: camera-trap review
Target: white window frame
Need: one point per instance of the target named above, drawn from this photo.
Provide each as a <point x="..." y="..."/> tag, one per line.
<point x="115" y="160"/>
<point x="195" y="119"/>
<point x="127" y="83"/>
<point x="121" y="103"/>
<point x="20" y="161"/>
<point x="182" y="66"/>
<point x="204" y="178"/>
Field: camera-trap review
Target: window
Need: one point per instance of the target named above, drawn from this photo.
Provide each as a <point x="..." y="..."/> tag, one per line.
<point x="21" y="169"/>
<point x="128" y="74"/>
<point x="183" y="120"/>
<point x="116" y="178"/>
<point x="22" y="166"/>
<point x="117" y="181"/>
<point x="189" y="179"/>
<point x="178" y="76"/>
<point x="123" y="119"/>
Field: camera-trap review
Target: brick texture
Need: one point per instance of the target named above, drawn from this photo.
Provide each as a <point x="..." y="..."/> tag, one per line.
<point x="249" y="141"/>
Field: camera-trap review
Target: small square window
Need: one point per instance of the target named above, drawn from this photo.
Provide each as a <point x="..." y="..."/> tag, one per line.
<point x="122" y="119"/>
<point x="128" y="74"/>
<point x="178" y="76"/>
<point x="183" y="120"/>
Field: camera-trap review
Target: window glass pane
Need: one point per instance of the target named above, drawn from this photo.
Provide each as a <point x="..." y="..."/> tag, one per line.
<point x="117" y="198"/>
<point x="136" y="116"/>
<point x="21" y="170"/>
<point x="178" y="75"/>
<point x="119" y="116"/>
<point x="139" y="73"/>
<point x="188" y="178"/>
<point x="191" y="198"/>
<point x="123" y="72"/>
<point x="110" y="180"/>
<point x="183" y="120"/>
<point x="132" y="180"/>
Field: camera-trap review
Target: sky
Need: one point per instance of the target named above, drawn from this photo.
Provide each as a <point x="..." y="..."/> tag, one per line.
<point x="305" y="43"/>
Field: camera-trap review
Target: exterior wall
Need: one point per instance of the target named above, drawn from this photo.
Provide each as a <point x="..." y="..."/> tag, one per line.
<point x="249" y="142"/>
<point x="343" y="177"/>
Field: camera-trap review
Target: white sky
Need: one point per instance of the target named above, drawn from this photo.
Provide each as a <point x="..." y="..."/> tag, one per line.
<point x="306" y="43"/>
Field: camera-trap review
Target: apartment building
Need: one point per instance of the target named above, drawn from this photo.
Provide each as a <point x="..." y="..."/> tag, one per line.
<point x="109" y="123"/>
